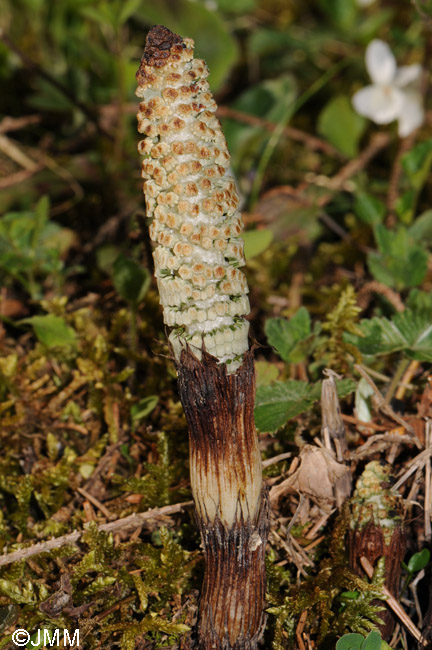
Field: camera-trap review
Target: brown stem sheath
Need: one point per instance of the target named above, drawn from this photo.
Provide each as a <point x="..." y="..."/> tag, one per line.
<point x="232" y="506"/>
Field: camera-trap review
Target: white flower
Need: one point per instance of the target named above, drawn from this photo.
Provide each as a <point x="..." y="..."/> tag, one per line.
<point x="365" y="3"/>
<point x="394" y="93"/>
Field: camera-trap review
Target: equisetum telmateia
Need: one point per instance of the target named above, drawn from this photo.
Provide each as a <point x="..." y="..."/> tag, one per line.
<point x="192" y="198"/>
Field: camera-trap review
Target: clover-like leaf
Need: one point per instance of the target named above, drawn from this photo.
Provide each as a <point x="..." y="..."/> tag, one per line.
<point x="372" y="641"/>
<point x="351" y="641"/>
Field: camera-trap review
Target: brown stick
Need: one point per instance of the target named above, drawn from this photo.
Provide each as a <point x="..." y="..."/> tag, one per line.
<point x="377" y="142"/>
<point x="310" y="141"/>
<point x="16" y="123"/>
<point x="18" y="177"/>
<point x="132" y="521"/>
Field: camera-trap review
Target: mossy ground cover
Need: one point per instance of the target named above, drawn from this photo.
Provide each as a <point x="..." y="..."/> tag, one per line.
<point x="338" y="239"/>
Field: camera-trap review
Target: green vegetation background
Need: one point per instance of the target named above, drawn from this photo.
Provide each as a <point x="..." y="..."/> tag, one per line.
<point x="339" y="232"/>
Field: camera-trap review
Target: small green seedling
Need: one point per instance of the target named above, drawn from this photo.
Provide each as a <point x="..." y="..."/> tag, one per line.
<point x="416" y="563"/>
<point x="355" y="641"/>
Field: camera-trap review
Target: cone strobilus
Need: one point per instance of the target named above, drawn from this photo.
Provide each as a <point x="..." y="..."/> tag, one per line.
<point x="191" y="196"/>
<point x="376" y="531"/>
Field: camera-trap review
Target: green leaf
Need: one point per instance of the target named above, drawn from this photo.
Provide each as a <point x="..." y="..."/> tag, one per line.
<point x="350" y="642"/>
<point x="143" y="407"/>
<point x="385" y="645"/>
<point x="421" y="229"/>
<point x="419" y="300"/>
<point x="350" y="595"/>
<point x="409" y="332"/>
<point x="213" y="40"/>
<point x="417" y="163"/>
<point x="400" y="262"/>
<point x="285" y="335"/>
<point x="419" y="560"/>
<point x="106" y="256"/>
<point x="100" y="15"/>
<point x="265" y="41"/>
<point x="51" y="330"/>
<point x="341" y="13"/>
<point x="278" y="403"/>
<point x="372" y="641"/>
<point x="405" y="206"/>
<point x="237" y="6"/>
<point x="31" y="246"/>
<point x="369" y="209"/>
<point x="371" y="25"/>
<point x="130" y="280"/>
<point x="341" y="125"/>
<point x="256" y="242"/>
<point x="128" y="7"/>
<point x="270" y="99"/>
<point x="266" y="373"/>
<point x="41" y="213"/>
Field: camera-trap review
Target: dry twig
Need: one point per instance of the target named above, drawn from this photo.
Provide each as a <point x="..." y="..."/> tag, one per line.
<point x="384" y="407"/>
<point x="132" y="521"/>
<point x="312" y="142"/>
<point x="16" y="123"/>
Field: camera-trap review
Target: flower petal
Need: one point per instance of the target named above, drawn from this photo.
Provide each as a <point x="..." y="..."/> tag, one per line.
<point x="365" y="3"/>
<point x="408" y="74"/>
<point x="381" y="104"/>
<point x="411" y="115"/>
<point x="380" y="62"/>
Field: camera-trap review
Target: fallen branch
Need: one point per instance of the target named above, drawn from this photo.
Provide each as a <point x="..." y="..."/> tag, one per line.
<point x="132" y="521"/>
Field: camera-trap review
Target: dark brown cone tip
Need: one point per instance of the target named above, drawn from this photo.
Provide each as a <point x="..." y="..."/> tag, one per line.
<point x="161" y="42"/>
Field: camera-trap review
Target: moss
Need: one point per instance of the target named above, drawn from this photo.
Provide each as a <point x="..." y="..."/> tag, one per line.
<point x="343" y="318"/>
<point x="321" y="595"/>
